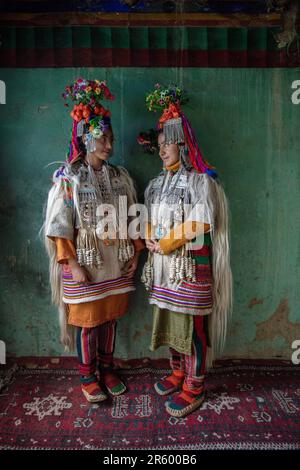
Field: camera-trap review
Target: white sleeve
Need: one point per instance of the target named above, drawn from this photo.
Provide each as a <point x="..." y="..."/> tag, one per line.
<point x="201" y="199"/>
<point x="60" y="210"/>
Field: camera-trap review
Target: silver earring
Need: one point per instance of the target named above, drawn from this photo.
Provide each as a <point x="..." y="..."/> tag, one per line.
<point x="90" y="143"/>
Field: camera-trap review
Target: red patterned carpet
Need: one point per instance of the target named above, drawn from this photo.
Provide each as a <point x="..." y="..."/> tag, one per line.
<point x="252" y="405"/>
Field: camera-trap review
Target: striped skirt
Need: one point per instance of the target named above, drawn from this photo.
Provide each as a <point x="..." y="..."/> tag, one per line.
<point x="191" y="298"/>
<point x="75" y="293"/>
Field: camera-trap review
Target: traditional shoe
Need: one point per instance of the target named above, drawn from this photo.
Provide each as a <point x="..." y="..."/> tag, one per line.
<point x="184" y="403"/>
<point x="93" y="392"/>
<point x="113" y="383"/>
<point x="169" y="384"/>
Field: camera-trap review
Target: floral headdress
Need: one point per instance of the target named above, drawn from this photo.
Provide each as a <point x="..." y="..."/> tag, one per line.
<point x="88" y="114"/>
<point x="175" y="125"/>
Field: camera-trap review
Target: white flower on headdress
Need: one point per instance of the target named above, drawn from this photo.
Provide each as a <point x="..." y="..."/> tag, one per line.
<point x="78" y="96"/>
<point x="97" y="133"/>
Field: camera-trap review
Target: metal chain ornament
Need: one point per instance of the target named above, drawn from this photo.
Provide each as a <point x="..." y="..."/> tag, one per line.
<point x="182" y="266"/>
<point x="147" y="274"/>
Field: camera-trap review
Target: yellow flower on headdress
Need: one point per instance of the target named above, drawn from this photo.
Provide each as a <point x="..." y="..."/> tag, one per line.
<point x="88" y="89"/>
<point x="98" y="90"/>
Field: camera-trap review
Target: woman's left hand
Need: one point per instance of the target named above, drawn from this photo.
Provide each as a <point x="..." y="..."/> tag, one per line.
<point x="155" y="247"/>
<point x="131" y="266"/>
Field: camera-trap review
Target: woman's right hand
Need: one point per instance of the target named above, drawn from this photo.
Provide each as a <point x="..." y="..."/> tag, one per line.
<point x="153" y="246"/>
<point x="79" y="273"/>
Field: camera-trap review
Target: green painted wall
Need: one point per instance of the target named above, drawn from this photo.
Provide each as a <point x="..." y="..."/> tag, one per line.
<point x="247" y="126"/>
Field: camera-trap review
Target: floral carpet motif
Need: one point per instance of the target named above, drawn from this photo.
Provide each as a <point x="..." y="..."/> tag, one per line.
<point x="247" y="406"/>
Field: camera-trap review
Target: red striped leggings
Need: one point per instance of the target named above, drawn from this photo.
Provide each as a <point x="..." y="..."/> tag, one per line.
<point x="96" y="343"/>
<point x="193" y="365"/>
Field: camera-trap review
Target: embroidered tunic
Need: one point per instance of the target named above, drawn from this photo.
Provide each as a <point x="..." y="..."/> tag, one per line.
<point x="191" y="188"/>
<point x="72" y="203"/>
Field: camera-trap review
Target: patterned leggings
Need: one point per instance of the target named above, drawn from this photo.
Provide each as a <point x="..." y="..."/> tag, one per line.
<point x="193" y="365"/>
<point x="93" y="343"/>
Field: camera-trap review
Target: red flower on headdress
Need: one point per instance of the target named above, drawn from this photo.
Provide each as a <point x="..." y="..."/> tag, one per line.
<point x="86" y="111"/>
<point x="100" y="110"/>
<point x="172" y="112"/>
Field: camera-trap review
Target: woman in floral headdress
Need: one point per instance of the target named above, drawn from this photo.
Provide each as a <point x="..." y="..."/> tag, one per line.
<point x="91" y="268"/>
<point x="188" y="270"/>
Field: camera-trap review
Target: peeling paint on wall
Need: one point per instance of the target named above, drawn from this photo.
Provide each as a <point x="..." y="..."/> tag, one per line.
<point x="139" y="334"/>
<point x="278" y="325"/>
<point x="255" y="301"/>
<point x="42" y="108"/>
